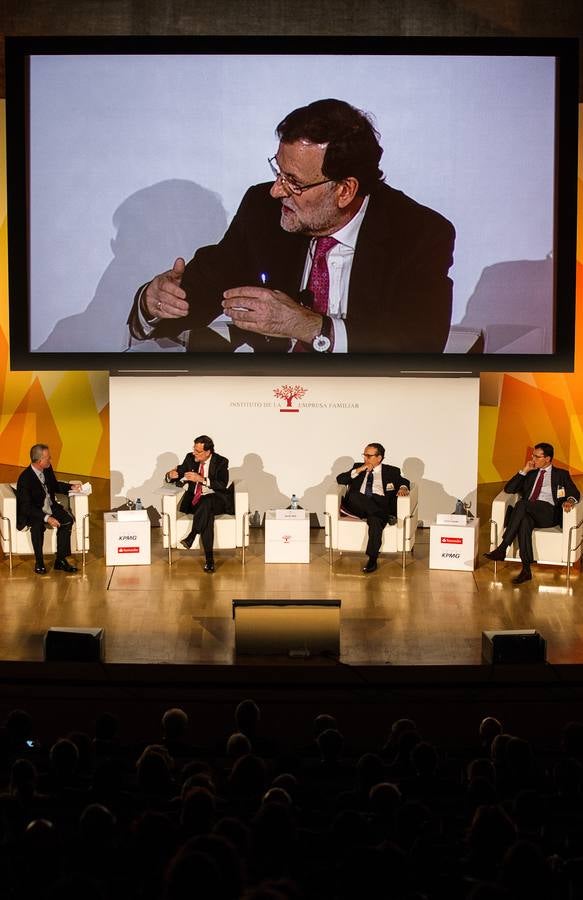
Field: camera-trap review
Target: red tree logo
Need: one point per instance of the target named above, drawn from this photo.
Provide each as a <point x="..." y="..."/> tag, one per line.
<point x="289" y="393"/>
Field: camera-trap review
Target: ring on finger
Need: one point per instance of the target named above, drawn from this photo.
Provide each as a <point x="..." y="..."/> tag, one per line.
<point x="159" y="305"/>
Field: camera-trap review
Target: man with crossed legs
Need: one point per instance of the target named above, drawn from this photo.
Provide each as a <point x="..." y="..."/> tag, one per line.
<point x="207" y="476"/>
<point x="545" y="491"/>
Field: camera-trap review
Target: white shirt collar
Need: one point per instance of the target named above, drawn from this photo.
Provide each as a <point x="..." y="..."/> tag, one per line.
<point x="348" y="234"/>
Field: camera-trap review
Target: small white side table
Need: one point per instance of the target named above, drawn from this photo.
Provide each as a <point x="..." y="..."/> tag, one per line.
<point x="454" y="547"/>
<point x="287" y="536"/>
<point x="127" y="538"/>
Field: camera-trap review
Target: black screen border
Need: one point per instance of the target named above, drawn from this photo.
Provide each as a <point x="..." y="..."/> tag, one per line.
<point x="564" y="50"/>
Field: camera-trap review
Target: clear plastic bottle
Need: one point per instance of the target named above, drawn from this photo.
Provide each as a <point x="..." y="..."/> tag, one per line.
<point x="139" y="504"/>
<point x="294" y="502"/>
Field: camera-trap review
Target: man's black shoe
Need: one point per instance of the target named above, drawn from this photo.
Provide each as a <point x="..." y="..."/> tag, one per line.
<point x="523" y="575"/>
<point x="63" y="566"/>
<point x="186" y="544"/>
<point x="371" y="566"/>
<point x="497" y="555"/>
<point x="40" y="570"/>
<point x="209" y="565"/>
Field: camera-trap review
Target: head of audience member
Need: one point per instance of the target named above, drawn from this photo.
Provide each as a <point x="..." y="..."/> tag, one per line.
<point x="23" y="779"/>
<point x="154" y="771"/>
<point x="218" y="848"/>
<point x="369" y="771"/>
<point x="288" y="782"/>
<point x="247" y="777"/>
<point x="491" y="833"/>
<point x="424" y="759"/>
<point x="330" y="743"/>
<point x="238" y="744"/>
<point x="198" y="811"/>
<point x="398" y="729"/>
<point x="526" y="872"/>
<point x="384" y="799"/>
<point x="106" y="726"/>
<point x="481" y="768"/>
<point x="97" y="826"/>
<point x="277" y="795"/>
<point x="487" y="731"/>
<point x="498" y="749"/>
<point x="247" y="717"/>
<point x="323" y="722"/>
<point x="572" y="740"/>
<point x="175" y="725"/>
<point x="64" y="760"/>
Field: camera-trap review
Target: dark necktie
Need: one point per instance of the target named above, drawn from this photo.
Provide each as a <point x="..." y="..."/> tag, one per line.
<point x="369" y="481"/>
<point x="198" y="489"/>
<point x="538" y="486"/>
<point x="319" y="280"/>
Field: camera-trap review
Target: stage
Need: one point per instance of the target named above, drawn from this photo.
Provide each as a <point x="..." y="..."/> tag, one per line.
<point x="178" y="615"/>
<point x="408" y="639"/>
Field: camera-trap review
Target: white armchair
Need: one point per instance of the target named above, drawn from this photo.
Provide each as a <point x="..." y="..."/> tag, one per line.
<point x="344" y="533"/>
<point x="230" y="531"/>
<point x="558" y="546"/>
<point x="20" y="543"/>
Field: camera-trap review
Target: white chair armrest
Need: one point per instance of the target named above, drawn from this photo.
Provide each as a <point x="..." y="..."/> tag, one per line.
<point x="7" y="511"/>
<point x="79" y="504"/>
<point x="170" y="504"/>
<point x="572" y="519"/>
<point x="500" y="504"/>
<point x="241" y="517"/>
<point x="332" y="510"/>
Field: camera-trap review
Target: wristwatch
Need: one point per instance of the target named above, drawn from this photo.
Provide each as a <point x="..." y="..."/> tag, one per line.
<point x="323" y="341"/>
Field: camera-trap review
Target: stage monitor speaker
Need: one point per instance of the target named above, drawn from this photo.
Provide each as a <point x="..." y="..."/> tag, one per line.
<point x="522" y="646"/>
<point x="296" y="628"/>
<point x="74" y="645"/>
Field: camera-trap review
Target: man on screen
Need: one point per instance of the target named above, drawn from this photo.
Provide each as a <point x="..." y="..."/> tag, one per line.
<point x="207" y="476"/>
<point x="326" y="258"/>
<point x="545" y="491"/>
<point x="373" y="488"/>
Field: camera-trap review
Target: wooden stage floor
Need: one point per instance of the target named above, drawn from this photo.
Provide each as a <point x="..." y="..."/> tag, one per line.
<point x="180" y="615"/>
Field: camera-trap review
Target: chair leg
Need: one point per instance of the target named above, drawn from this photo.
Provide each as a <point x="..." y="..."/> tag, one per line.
<point x="6" y="519"/>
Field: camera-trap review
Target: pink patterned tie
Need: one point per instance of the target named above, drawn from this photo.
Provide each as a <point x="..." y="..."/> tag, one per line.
<point x="537" y="488"/>
<point x="198" y="489"/>
<point x="319" y="280"/>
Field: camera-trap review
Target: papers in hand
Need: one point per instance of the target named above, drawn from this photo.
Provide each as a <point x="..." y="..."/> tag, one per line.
<point x="85" y="489"/>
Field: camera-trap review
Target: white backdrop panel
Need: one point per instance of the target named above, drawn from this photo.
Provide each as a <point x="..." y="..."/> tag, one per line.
<point x="429" y="427"/>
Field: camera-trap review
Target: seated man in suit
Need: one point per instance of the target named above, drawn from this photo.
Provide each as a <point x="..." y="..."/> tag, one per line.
<point x="545" y="491"/>
<point x="373" y="488"/>
<point x="36" y="507"/>
<point x="207" y="496"/>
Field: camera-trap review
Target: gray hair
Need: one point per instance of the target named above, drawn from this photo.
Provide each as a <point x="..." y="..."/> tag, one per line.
<point x="36" y="451"/>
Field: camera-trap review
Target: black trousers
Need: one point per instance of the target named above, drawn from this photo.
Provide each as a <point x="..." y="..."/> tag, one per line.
<point x="527" y="515"/>
<point x="37" y="532"/>
<point x="376" y="510"/>
<point x="203" y="519"/>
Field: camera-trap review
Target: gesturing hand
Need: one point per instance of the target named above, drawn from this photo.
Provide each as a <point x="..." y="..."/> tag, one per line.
<point x="271" y="313"/>
<point x="164" y="298"/>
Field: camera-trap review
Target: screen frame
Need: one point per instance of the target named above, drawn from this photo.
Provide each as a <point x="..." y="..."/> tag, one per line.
<point x="565" y="52"/>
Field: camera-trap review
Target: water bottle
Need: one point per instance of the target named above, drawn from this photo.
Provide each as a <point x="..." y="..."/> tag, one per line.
<point x="139" y="504"/>
<point x="294" y="501"/>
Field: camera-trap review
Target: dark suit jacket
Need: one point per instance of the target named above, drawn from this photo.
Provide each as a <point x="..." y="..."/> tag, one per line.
<point x="218" y="476"/>
<point x="30" y="495"/>
<point x="391" y="478"/>
<point x="560" y="478"/>
<point x="399" y="297"/>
